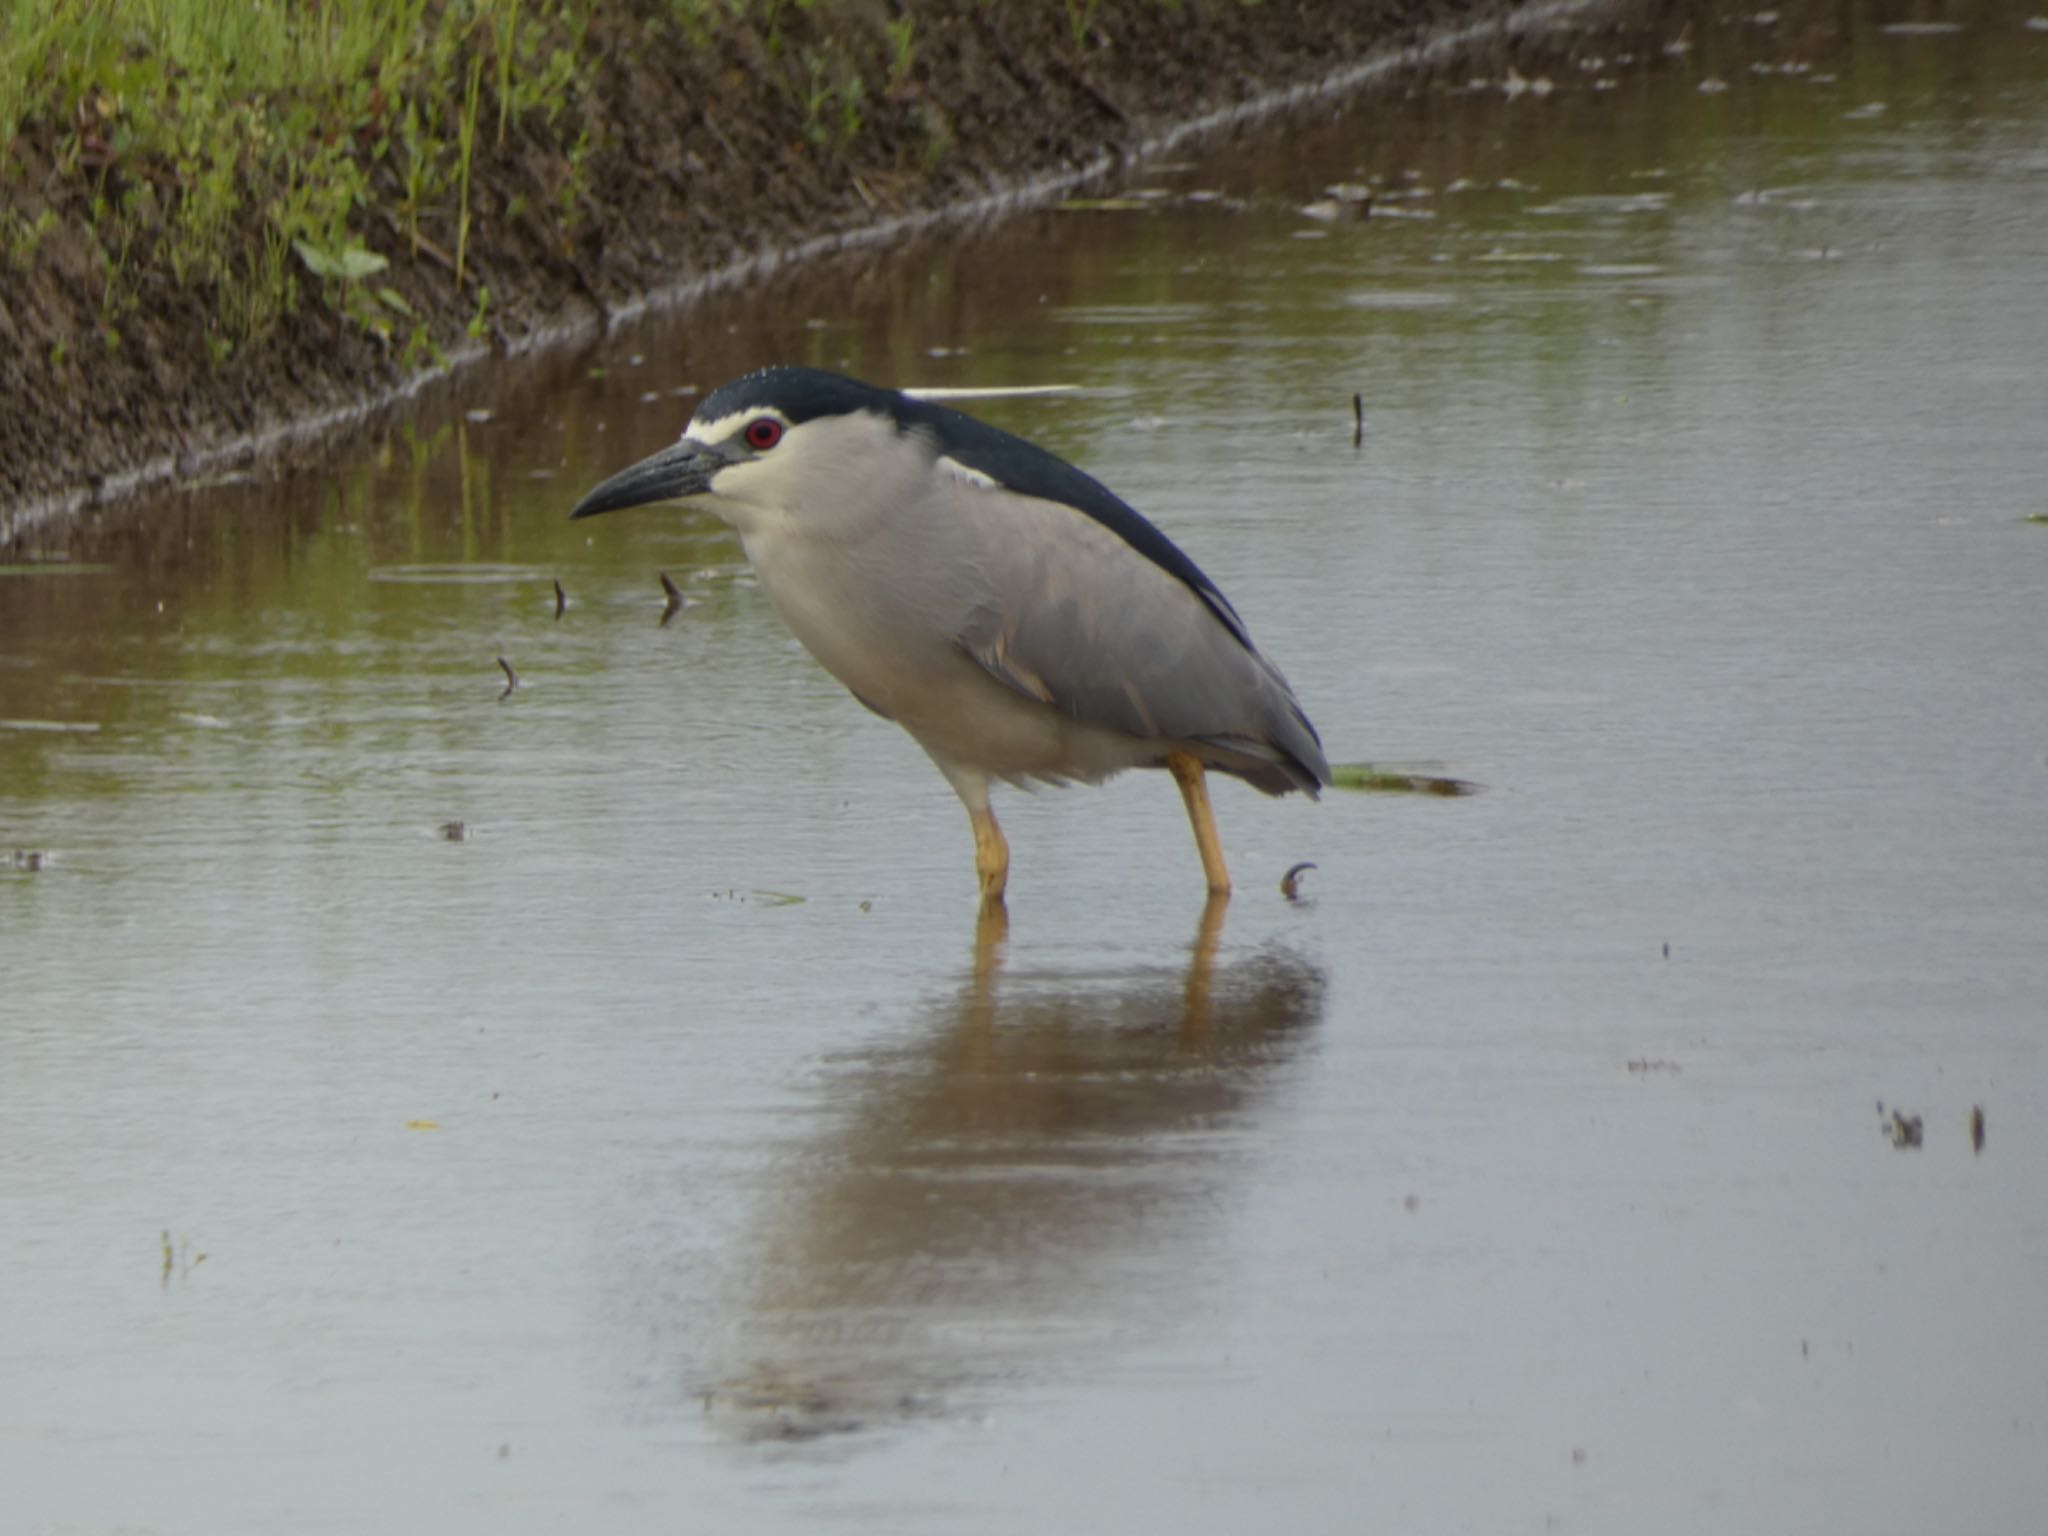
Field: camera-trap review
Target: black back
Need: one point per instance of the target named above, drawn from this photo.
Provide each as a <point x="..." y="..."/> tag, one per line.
<point x="801" y="394"/>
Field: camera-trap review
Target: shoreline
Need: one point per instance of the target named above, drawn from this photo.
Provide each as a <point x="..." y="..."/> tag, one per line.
<point x="205" y="433"/>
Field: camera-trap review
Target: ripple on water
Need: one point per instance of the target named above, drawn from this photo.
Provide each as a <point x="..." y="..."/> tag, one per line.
<point x="458" y="575"/>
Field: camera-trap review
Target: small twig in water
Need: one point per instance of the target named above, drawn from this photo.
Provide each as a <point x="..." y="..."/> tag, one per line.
<point x="511" y="680"/>
<point x="676" y="601"/>
<point x="1357" y="421"/>
<point x="561" y="600"/>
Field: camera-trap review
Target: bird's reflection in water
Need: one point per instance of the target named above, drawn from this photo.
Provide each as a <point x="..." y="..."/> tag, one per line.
<point x="1034" y="1176"/>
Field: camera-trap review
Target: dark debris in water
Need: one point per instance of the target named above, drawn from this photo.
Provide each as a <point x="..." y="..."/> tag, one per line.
<point x="775" y="1408"/>
<point x="453" y="831"/>
<point x="1290" y="883"/>
<point x="179" y="1260"/>
<point x="1908" y="1132"/>
<point x="673" y="600"/>
<point x="30" y="859"/>
<point x="760" y="898"/>
<point x="511" y="680"/>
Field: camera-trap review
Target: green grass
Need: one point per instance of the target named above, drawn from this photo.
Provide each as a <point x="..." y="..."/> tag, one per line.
<point x="168" y="130"/>
<point x="258" y="156"/>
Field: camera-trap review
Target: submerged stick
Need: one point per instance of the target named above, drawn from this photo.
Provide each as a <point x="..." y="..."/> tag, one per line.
<point x="1357" y="421"/>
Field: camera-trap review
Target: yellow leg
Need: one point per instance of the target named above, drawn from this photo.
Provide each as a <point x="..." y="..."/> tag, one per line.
<point x="991" y="855"/>
<point x="1188" y="772"/>
<point x="1202" y="965"/>
<point x="991" y="928"/>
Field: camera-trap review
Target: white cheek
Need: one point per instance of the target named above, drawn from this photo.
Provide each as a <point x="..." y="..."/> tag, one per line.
<point x="744" y="497"/>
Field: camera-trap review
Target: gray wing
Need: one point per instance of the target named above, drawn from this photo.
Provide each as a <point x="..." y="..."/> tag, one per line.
<point x="1071" y="615"/>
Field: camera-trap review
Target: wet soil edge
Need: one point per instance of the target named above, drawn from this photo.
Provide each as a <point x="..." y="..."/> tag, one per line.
<point x="681" y="203"/>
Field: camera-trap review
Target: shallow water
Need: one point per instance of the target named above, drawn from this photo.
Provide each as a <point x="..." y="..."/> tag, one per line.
<point x="1533" y="1172"/>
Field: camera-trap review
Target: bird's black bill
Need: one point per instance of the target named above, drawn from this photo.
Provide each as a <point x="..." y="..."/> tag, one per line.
<point x="679" y="470"/>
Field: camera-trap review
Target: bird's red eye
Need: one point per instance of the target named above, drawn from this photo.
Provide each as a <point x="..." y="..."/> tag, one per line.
<point x="763" y="433"/>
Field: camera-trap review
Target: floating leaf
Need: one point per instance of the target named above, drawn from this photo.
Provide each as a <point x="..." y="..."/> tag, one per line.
<point x="1378" y="779"/>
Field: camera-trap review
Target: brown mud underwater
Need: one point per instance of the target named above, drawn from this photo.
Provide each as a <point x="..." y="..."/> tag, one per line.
<point x="693" y="166"/>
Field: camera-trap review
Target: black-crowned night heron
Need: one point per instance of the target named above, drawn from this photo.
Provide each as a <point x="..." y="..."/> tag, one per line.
<point x="1006" y="610"/>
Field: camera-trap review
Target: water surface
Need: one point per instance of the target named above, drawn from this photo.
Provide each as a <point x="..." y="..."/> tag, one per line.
<point x="669" y="1149"/>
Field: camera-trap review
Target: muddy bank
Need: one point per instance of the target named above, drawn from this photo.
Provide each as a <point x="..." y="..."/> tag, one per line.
<point x="692" y="159"/>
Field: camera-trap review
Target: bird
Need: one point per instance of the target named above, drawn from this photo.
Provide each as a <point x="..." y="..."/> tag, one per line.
<point x="1019" y="620"/>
